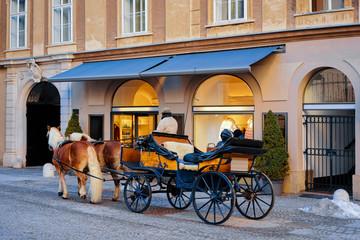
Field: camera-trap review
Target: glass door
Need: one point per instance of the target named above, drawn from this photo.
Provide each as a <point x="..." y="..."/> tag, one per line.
<point x="128" y="127"/>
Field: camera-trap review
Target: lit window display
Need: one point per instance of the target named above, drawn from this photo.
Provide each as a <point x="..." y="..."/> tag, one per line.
<point x="135" y="108"/>
<point x="209" y="126"/>
<point x="222" y="102"/>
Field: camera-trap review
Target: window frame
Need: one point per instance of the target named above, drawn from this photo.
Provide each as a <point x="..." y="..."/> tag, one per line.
<point x="18" y="14"/>
<point x="61" y="6"/>
<point x="229" y="11"/>
<point x="133" y="13"/>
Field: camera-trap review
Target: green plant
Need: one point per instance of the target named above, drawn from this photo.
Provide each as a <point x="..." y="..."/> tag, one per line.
<point x="274" y="163"/>
<point x="73" y="125"/>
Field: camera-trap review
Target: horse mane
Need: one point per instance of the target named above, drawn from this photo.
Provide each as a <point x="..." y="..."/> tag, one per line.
<point x="55" y="138"/>
<point x="80" y="137"/>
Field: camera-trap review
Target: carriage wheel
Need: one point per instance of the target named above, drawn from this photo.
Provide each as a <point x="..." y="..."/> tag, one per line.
<point x="255" y="198"/>
<point x="137" y="193"/>
<point x="178" y="197"/>
<point x="213" y="197"/>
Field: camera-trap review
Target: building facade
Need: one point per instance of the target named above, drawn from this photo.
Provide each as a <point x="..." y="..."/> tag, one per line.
<point x="117" y="63"/>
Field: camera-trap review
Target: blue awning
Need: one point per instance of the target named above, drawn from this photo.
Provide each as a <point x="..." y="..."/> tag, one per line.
<point x="119" y="69"/>
<point x="211" y="62"/>
<point x="196" y="63"/>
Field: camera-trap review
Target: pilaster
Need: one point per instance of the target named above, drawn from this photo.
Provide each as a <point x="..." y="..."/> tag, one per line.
<point x="10" y="147"/>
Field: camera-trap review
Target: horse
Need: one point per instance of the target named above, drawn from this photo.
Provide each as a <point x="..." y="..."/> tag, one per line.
<point x="108" y="154"/>
<point x="77" y="155"/>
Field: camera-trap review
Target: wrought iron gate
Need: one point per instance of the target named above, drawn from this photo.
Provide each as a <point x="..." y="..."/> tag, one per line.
<point x="329" y="152"/>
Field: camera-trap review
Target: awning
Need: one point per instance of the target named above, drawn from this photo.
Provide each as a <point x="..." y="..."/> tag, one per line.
<point x="212" y="62"/>
<point x="119" y="69"/>
<point x="229" y="61"/>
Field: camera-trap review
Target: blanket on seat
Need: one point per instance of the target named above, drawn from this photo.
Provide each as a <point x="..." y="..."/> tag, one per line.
<point x="232" y="145"/>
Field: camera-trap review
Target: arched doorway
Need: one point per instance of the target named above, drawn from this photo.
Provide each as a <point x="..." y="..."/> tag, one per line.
<point x="42" y="109"/>
<point x="220" y="100"/>
<point x="134" y="111"/>
<point x="329" y="121"/>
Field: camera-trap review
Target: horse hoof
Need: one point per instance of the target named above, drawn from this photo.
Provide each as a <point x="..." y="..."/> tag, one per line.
<point x="83" y="197"/>
<point x="92" y="202"/>
<point x="60" y="194"/>
<point x="114" y="199"/>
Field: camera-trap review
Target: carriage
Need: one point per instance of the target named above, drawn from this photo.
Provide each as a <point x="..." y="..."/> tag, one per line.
<point x="169" y="163"/>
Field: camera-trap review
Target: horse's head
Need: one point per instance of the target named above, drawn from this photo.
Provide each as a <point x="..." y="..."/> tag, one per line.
<point x="54" y="137"/>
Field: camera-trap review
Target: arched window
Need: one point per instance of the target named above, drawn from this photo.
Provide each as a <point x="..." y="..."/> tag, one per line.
<point x="134" y="111"/>
<point x="329" y="86"/>
<point x="218" y="101"/>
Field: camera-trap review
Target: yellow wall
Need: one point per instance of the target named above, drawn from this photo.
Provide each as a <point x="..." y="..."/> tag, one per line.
<point x="178" y="20"/>
<point x="38" y="32"/>
<point x="95" y="25"/>
<point x="274" y="15"/>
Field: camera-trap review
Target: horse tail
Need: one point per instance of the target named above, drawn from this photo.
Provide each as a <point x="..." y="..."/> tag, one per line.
<point x="96" y="185"/>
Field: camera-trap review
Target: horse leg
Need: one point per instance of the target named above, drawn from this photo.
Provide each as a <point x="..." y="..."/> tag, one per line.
<point x="82" y="178"/>
<point x="117" y="187"/>
<point x="60" y="188"/>
<point x="65" y="194"/>
<point x="79" y="185"/>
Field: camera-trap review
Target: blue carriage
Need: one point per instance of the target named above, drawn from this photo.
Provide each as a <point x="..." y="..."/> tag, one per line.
<point x="168" y="163"/>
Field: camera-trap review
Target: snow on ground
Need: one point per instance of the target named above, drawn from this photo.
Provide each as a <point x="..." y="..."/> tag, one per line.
<point x="335" y="208"/>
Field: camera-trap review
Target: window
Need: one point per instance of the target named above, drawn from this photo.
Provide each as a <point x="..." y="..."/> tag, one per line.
<point x="18" y="23"/>
<point x="329" y="86"/>
<point x="323" y="5"/>
<point x="226" y="10"/>
<point x="62" y="21"/>
<point x="222" y="101"/>
<point x="134" y="16"/>
<point x="134" y="111"/>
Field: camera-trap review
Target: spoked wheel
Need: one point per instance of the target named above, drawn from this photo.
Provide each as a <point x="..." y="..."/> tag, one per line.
<point x="178" y="198"/>
<point x="137" y="193"/>
<point x="255" y="198"/>
<point x="213" y="197"/>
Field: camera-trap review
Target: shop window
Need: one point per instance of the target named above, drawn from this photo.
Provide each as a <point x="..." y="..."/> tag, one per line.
<point x="222" y="101"/>
<point x="324" y="5"/>
<point x="134" y="14"/>
<point x="329" y="86"/>
<point x="18" y="23"/>
<point x="227" y="10"/>
<point x="134" y="111"/>
<point x="62" y="21"/>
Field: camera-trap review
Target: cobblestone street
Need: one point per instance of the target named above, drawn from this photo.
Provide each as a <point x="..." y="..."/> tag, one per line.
<point x="31" y="209"/>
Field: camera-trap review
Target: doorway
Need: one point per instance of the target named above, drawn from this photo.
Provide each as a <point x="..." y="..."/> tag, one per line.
<point x="42" y="109"/>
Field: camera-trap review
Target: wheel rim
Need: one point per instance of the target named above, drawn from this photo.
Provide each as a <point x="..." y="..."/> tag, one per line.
<point x="255" y="198"/>
<point x="213" y="197"/>
<point x="178" y="197"/>
<point x="137" y="193"/>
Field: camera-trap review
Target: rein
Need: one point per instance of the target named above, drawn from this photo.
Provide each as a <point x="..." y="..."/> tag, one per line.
<point x="56" y="159"/>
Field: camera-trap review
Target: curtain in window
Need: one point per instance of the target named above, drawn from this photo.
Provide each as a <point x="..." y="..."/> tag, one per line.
<point x="17" y="23"/>
<point x="229" y="9"/>
<point x="62" y="21"/>
<point x="134" y="16"/>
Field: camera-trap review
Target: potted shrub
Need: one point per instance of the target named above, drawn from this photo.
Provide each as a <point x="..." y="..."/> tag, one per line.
<point x="274" y="163"/>
<point x="73" y="125"/>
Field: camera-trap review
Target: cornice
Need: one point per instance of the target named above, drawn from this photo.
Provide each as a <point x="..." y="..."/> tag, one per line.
<point x="197" y="45"/>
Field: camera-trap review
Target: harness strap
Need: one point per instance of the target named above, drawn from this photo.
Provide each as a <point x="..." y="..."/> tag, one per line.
<point x="56" y="159"/>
